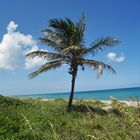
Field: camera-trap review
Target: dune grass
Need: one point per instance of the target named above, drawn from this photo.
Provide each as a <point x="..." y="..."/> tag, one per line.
<point x="34" y="119"/>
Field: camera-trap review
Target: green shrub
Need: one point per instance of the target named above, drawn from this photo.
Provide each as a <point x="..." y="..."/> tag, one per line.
<point x="33" y="119"/>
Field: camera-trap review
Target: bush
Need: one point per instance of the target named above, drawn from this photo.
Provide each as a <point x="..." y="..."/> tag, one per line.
<point x="33" y="119"/>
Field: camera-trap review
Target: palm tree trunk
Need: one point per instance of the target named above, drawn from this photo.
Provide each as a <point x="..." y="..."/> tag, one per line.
<point x="72" y="91"/>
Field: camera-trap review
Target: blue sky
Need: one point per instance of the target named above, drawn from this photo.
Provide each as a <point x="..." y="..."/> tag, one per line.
<point x="21" y="23"/>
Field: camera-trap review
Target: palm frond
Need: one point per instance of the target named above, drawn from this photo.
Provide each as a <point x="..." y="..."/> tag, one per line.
<point x="69" y="30"/>
<point x="52" y="34"/>
<point x="66" y="38"/>
<point x="97" y="65"/>
<point x="61" y="25"/>
<point x="81" y="25"/>
<point x="80" y="28"/>
<point x="102" y="43"/>
<point x="71" y="48"/>
<point x="52" y="43"/>
<point x="45" y="54"/>
<point x="46" y="67"/>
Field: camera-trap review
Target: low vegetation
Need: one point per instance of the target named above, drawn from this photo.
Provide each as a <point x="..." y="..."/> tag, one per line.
<point x="35" y="119"/>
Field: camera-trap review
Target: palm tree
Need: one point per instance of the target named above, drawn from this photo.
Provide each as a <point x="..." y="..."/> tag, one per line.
<point x="66" y="39"/>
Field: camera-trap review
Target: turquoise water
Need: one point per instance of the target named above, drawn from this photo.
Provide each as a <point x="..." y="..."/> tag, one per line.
<point x="120" y="94"/>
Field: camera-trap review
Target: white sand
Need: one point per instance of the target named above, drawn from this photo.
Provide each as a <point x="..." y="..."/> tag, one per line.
<point x="108" y="102"/>
<point x="128" y="103"/>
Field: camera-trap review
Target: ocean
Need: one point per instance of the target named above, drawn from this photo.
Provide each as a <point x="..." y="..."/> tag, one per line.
<point x="120" y="94"/>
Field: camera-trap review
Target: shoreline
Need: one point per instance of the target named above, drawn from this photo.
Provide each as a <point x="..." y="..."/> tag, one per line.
<point x="107" y="102"/>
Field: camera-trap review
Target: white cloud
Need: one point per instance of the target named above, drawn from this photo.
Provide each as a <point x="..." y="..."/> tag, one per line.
<point x="30" y="63"/>
<point x="116" y="58"/>
<point x="13" y="47"/>
<point x="11" y="27"/>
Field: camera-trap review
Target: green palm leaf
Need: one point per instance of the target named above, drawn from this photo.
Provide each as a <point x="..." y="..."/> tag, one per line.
<point x="52" y="34"/>
<point x="102" y="43"/>
<point x="98" y="65"/>
<point x="52" y="43"/>
<point x="44" y="54"/>
<point x="46" y="67"/>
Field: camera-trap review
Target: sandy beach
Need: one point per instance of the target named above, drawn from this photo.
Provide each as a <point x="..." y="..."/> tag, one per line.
<point x="128" y="103"/>
<point x="108" y="102"/>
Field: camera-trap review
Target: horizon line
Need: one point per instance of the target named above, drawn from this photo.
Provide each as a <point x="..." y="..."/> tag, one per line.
<point x="75" y="91"/>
